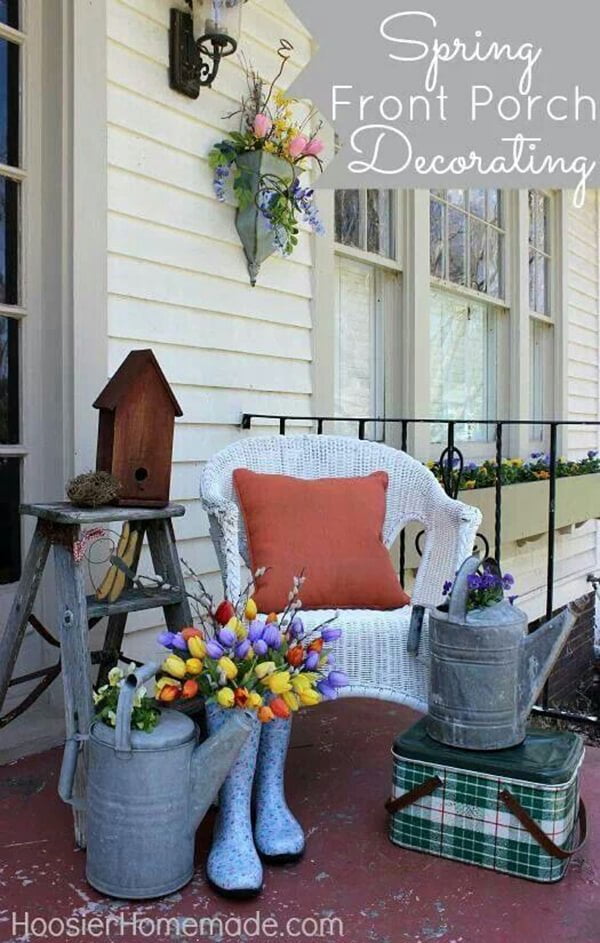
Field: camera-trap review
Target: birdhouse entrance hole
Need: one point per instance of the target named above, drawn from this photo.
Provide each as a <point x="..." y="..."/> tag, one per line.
<point x="141" y="474"/>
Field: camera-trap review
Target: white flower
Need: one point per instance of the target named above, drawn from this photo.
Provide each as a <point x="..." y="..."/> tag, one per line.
<point x="97" y="697"/>
<point x="112" y="718"/>
<point x="114" y="676"/>
<point x="139" y="696"/>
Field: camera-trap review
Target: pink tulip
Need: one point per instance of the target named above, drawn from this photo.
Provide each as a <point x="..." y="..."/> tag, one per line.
<point x="314" y="147"/>
<point x="297" y="145"/>
<point x="262" y="125"/>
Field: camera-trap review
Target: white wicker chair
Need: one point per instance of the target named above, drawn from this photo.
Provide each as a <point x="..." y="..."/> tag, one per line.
<point x="373" y="647"/>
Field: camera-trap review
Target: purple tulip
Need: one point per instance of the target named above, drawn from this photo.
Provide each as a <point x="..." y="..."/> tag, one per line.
<point x="327" y="690"/>
<point x="166" y="639"/>
<point x="339" y="679"/>
<point x="242" y="648"/>
<point x="296" y="629"/>
<point x="255" y="630"/>
<point x="227" y="637"/>
<point x="312" y="661"/>
<point x="331" y="635"/>
<point x="272" y="636"/>
<point x="260" y="647"/>
<point x="180" y="643"/>
<point x="213" y="649"/>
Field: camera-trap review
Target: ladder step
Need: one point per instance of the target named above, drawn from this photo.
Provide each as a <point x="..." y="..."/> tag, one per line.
<point x="133" y="600"/>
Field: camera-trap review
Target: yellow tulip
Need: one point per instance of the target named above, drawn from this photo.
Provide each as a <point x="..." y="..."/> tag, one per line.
<point x="279" y="682"/>
<point x="251" y="610"/>
<point x="175" y="666"/>
<point x="194" y="666"/>
<point x="265" y="668"/>
<point x="197" y="647"/>
<point x="300" y="683"/>
<point x="254" y="700"/>
<point x="225" y="697"/>
<point x="309" y="698"/>
<point x="291" y="700"/>
<point x="228" y="667"/>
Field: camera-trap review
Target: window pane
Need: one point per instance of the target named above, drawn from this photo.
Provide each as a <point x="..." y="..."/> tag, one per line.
<point x="436" y="239"/>
<point x="477" y="202"/>
<point x="456" y="196"/>
<point x="10" y="526"/>
<point x="532" y="279"/>
<point x="478" y="279"/>
<point x="494" y="207"/>
<point x="9" y="13"/>
<point x="495" y="254"/>
<point x="9" y="241"/>
<point x="456" y="246"/>
<point x="380" y="222"/>
<point x="541" y="285"/>
<point x="347" y="218"/>
<point x="541" y="369"/>
<point x="9" y="103"/>
<point x="355" y="317"/>
<point x="9" y="381"/>
<point x="462" y="367"/>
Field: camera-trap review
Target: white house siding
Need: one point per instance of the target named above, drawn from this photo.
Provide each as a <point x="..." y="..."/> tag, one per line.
<point x="177" y="278"/>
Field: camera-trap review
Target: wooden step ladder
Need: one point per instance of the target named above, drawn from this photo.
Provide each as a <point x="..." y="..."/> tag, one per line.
<point x="59" y="526"/>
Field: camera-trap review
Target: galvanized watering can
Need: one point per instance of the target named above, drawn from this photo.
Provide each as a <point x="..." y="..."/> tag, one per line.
<point x="147" y="793"/>
<point x="486" y="670"/>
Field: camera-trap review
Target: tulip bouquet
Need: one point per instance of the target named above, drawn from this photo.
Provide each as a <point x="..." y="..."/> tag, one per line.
<point x="272" y="665"/>
<point x="269" y="123"/>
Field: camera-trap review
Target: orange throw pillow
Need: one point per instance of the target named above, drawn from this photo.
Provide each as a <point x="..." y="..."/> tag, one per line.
<point x="330" y="528"/>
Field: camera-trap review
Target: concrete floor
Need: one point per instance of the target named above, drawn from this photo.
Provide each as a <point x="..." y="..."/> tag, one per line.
<point x="339" y="774"/>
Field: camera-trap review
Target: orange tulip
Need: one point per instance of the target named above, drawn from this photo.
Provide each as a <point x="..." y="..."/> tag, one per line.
<point x="272" y="617"/>
<point x="316" y="646"/>
<point x="191" y="632"/>
<point x="168" y="693"/>
<point x="240" y="697"/>
<point x="295" y="656"/>
<point x="279" y="708"/>
<point x="190" y="688"/>
<point x="265" y="714"/>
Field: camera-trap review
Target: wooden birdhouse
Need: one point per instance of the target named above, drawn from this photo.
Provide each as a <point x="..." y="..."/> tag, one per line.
<point x="135" y="430"/>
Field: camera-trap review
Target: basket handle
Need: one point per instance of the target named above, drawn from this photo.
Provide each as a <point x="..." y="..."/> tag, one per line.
<point x="416" y="793"/>
<point x="514" y="806"/>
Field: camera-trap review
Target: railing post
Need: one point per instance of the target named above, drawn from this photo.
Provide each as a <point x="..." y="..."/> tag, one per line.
<point x="361" y="428"/>
<point x="551" y="520"/>
<point x="282" y="422"/>
<point x="498" y="496"/>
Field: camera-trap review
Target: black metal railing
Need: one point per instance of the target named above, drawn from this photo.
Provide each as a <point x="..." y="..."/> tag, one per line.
<point x="451" y="461"/>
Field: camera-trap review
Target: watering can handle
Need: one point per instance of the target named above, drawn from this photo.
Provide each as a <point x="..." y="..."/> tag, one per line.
<point x="127" y="693"/>
<point x="457" y="604"/>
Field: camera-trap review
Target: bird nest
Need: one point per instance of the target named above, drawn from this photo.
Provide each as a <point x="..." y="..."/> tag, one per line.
<point x="93" y="489"/>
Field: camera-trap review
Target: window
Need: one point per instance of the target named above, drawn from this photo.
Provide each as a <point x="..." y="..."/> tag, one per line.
<point x="10" y="292"/>
<point x="365" y="219"/>
<point x="541" y="307"/>
<point x="467" y="239"/>
<point x="468" y="337"/>
<point x="367" y="297"/>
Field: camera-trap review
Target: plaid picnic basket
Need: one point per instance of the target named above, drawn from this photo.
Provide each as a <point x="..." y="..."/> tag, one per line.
<point x="513" y="810"/>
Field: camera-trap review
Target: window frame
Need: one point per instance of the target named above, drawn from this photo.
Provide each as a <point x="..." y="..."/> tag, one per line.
<point x="18" y="312"/>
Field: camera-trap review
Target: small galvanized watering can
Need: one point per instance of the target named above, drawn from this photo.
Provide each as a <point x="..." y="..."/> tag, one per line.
<point x="486" y="670"/>
<point x="147" y="793"/>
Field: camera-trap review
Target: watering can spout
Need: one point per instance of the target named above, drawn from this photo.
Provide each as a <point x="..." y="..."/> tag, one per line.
<point x="539" y="651"/>
<point x="213" y="759"/>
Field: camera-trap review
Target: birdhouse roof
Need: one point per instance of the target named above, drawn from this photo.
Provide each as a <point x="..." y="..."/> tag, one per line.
<point x="120" y="383"/>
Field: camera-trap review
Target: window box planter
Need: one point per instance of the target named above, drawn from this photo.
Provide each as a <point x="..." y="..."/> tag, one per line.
<point x="525" y="510"/>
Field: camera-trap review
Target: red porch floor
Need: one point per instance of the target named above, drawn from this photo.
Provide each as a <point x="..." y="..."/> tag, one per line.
<point x="339" y="775"/>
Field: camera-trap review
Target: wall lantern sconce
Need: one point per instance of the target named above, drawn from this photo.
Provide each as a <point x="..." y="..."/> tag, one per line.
<point x="194" y="62"/>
